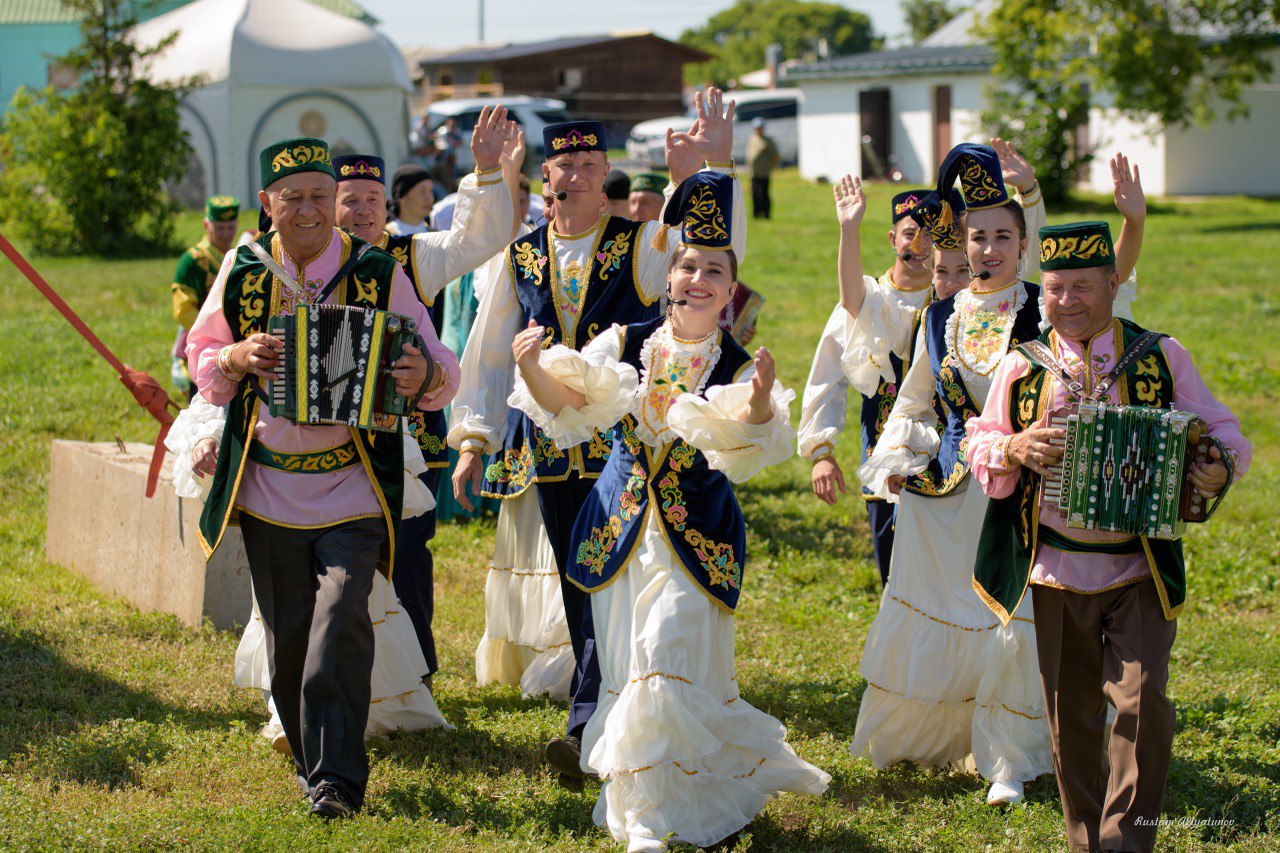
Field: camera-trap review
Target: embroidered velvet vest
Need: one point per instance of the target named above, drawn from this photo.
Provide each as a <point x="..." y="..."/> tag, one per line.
<point x="1007" y="546"/>
<point x="948" y="469"/>
<point x="573" y="311"/>
<point x="876" y="408"/>
<point x="429" y="428"/>
<point x="695" y="504"/>
<point x="251" y="298"/>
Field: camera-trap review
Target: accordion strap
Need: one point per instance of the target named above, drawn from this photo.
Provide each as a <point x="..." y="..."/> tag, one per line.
<point x="1038" y="353"/>
<point x="291" y="284"/>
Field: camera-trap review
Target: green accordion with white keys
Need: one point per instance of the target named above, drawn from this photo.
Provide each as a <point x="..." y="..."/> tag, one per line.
<point x="336" y="366"/>
<point x="1124" y="469"/>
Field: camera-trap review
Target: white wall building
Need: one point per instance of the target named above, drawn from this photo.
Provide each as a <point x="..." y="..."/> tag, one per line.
<point x="274" y="69"/>
<point x="912" y="105"/>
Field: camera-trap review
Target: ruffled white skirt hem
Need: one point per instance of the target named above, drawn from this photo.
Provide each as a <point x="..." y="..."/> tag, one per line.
<point x="682" y="756"/>
<point x="945" y="681"/>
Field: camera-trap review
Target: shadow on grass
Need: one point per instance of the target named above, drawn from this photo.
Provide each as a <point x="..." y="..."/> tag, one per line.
<point x="65" y="722"/>
<point x="780" y="515"/>
<point x="1234" y="779"/>
<point x="813" y="707"/>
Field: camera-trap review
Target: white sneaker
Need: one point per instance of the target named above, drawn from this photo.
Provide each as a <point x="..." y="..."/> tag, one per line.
<point x="1005" y="793"/>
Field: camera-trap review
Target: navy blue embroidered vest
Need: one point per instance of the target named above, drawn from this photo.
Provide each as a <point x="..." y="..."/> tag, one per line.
<point x="949" y="468"/>
<point x="430" y="428"/>
<point x="590" y="302"/>
<point x="695" y="504"/>
<point x="876" y="408"/>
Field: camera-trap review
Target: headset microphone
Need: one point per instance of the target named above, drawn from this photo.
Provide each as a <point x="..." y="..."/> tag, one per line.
<point x="907" y="257"/>
<point x="673" y="300"/>
<point x="561" y="196"/>
<point x="983" y="276"/>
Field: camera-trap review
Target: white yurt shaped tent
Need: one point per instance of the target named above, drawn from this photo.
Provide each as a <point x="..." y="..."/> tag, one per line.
<point x="274" y="69"/>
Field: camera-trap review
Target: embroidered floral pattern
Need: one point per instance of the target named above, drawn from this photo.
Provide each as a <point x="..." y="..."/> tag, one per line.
<point x="979" y="332"/>
<point x="572" y="286"/>
<point x="671" y="368"/>
<point x="611" y="255"/>
<point x="715" y="557"/>
<point x="595" y="549"/>
<point x="531" y="261"/>
<point x="682" y="455"/>
<point x="598" y="447"/>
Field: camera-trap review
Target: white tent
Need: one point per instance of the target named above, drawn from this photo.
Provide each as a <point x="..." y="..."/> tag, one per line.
<point x="273" y="69"/>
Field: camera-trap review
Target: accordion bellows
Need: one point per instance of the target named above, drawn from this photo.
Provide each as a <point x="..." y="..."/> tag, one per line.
<point x="336" y="366"/>
<point x="1124" y="469"/>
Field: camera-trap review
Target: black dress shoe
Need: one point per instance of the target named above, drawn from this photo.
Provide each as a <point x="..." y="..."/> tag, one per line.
<point x="573" y="784"/>
<point x="329" y="802"/>
<point x="565" y="755"/>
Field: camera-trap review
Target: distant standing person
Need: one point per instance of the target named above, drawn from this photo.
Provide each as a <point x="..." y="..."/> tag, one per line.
<point x="762" y="158"/>
<point x="646" y="199"/>
<point x="197" y="268"/>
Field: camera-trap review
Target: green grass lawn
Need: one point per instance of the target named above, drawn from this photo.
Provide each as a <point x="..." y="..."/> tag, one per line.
<point x="122" y="730"/>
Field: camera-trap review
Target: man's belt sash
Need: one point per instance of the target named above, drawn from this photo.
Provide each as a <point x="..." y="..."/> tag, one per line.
<point x="1054" y="539"/>
<point x="313" y="462"/>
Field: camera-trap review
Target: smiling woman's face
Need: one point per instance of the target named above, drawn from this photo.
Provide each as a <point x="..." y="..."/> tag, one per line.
<point x="994" y="245"/>
<point x="703" y="278"/>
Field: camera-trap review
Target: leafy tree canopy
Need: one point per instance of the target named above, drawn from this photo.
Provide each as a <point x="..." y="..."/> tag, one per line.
<point x="1177" y="62"/>
<point x="84" y="172"/>
<point x="924" y="17"/>
<point x="738" y="36"/>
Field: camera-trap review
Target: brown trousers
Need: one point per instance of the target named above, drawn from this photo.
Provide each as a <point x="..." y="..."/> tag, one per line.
<point x="1111" y="645"/>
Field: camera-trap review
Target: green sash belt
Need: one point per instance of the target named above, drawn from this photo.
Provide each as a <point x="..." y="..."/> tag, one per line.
<point x="314" y="462"/>
<point x="1054" y="539"/>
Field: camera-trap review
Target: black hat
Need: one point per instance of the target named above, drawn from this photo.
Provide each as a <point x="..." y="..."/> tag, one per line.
<point x="617" y="185"/>
<point x="978" y="168"/>
<point x="928" y="214"/>
<point x="701" y="207"/>
<point x="360" y="167"/>
<point x="904" y="203"/>
<point x="406" y="178"/>
<point x="574" y="136"/>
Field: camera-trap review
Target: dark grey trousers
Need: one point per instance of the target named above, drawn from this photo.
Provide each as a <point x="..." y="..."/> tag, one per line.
<point x="313" y="591"/>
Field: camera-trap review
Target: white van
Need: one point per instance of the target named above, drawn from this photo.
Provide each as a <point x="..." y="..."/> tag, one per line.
<point x="778" y="107"/>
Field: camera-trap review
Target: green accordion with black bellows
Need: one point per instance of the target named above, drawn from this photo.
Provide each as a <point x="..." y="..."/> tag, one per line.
<point x="1124" y="469"/>
<point x="336" y="366"/>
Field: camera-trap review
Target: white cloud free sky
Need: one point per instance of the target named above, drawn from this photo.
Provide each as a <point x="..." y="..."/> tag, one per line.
<point x="453" y="23"/>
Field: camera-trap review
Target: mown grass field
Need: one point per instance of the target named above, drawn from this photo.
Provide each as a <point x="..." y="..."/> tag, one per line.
<point x="121" y="730"/>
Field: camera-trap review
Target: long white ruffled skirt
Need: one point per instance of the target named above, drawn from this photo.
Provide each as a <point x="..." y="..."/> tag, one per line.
<point x="399" y="698"/>
<point x="680" y="753"/>
<point x="526" y="637"/>
<point x="944" y="680"/>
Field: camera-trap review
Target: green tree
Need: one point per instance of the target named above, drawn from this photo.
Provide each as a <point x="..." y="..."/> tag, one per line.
<point x="738" y="36"/>
<point x="924" y="17"/>
<point x="1175" y="62"/>
<point x="85" y="171"/>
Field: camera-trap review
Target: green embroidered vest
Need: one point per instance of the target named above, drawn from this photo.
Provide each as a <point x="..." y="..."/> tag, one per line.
<point x="251" y="298"/>
<point x="1007" y="546"/>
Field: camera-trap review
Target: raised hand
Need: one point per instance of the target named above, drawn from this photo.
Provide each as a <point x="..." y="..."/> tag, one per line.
<point x="682" y="158"/>
<point x="489" y="136"/>
<point x="1131" y="201"/>
<point x="760" y="406"/>
<point x="513" y="149"/>
<point x="1014" y="168"/>
<point x="712" y="133"/>
<point x="851" y="204"/>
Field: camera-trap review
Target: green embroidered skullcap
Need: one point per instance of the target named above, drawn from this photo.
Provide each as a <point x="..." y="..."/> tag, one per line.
<point x="290" y="156"/>
<point x="1076" y="245"/>
<point x="222" y="208"/>
<point x="649" y="182"/>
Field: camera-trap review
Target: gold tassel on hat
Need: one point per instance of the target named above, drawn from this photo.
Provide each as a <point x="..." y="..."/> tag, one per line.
<point x="659" y="241"/>
<point x="917" y="244"/>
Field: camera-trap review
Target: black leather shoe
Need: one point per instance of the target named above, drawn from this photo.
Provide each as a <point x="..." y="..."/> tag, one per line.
<point x="565" y="755"/>
<point x="573" y="784"/>
<point x="329" y="802"/>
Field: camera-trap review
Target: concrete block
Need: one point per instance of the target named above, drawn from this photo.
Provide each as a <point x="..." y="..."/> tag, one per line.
<point x="146" y="550"/>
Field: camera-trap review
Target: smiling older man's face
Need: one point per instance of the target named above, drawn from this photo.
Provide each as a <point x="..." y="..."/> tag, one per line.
<point x="1078" y="302"/>
<point x="301" y="210"/>
<point x="361" y="209"/>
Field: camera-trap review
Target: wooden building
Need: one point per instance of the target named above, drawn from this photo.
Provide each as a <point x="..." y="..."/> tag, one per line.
<point x="621" y="78"/>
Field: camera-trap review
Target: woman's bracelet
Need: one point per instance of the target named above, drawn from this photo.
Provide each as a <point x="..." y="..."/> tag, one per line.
<point x="223" y="363"/>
